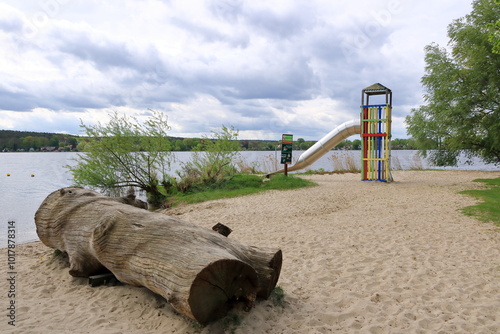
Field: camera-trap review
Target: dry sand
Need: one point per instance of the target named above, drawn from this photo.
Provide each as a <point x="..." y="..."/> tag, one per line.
<point x="359" y="257"/>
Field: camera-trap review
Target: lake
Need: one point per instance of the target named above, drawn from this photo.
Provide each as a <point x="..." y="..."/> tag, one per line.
<point x="22" y="193"/>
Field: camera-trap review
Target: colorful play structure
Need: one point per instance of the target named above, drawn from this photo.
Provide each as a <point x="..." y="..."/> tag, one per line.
<point x="374" y="126"/>
<point x="376" y="135"/>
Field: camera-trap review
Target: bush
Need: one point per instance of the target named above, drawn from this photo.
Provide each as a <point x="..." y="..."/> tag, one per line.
<point x="125" y="153"/>
<point x="212" y="162"/>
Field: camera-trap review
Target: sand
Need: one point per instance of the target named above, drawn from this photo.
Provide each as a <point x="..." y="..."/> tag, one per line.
<point x="359" y="257"/>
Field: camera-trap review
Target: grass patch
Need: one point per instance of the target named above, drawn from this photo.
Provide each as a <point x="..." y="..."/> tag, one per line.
<point x="240" y="185"/>
<point x="489" y="209"/>
<point x="277" y="296"/>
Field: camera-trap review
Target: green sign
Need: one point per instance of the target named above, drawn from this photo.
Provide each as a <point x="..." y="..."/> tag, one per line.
<point x="286" y="149"/>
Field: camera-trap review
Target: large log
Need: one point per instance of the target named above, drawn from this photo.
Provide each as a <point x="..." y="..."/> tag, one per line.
<point x="198" y="271"/>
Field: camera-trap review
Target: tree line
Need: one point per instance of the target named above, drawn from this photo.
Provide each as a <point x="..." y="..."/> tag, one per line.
<point x="16" y="141"/>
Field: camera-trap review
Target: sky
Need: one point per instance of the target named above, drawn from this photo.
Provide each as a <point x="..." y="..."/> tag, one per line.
<point x="263" y="67"/>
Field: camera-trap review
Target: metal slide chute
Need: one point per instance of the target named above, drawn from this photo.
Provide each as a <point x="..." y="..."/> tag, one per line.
<point x="324" y="145"/>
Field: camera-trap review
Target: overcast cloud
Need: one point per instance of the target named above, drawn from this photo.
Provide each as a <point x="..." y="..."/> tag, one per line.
<point x="264" y="67"/>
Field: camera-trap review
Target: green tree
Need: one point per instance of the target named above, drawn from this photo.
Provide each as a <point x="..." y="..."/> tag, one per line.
<point x="304" y="145"/>
<point x="28" y="142"/>
<point x="495" y="35"/>
<point x="54" y="141"/>
<point x="189" y="143"/>
<point x="41" y="142"/>
<point x="270" y="146"/>
<point x="179" y="145"/>
<point x="13" y="144"/>
<point x="356" y="144"/>
<point x="213" y="158"/>
<point x="125" y="153"/>
<point x="72" y="142"/>
<point x="462" y="112"/>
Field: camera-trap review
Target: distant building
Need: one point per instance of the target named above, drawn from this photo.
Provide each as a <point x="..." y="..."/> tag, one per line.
<point x="48" y="149"/>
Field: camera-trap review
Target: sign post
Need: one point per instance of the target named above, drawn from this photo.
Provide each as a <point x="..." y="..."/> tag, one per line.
<point x="286" y="150"/>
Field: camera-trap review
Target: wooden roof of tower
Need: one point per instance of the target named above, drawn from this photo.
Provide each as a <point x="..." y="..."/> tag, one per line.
<point x="376" y="89"/>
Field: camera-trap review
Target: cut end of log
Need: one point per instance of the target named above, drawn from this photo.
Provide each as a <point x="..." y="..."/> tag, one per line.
<point x="267" y="287"/>
<point x="219" y="286"/>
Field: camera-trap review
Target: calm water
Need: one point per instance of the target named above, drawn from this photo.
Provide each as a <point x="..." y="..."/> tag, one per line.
<point x="22" y="194"/>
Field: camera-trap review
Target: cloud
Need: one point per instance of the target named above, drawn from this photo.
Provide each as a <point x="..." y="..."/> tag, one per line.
<point x="11" y="99"/>
<point x="292" y="66"/>
<point x="208" y="34"/>
<point x="10" y="19"/>
<point x="227" y="10"/>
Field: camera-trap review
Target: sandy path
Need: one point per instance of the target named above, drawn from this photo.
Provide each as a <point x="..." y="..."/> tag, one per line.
<point x="359" y="257"/>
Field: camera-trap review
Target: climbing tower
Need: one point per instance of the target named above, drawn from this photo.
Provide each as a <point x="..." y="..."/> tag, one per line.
<point x="376" y="135"/>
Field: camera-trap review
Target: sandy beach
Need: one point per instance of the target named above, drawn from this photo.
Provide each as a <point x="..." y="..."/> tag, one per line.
<point x="358" y="257"/>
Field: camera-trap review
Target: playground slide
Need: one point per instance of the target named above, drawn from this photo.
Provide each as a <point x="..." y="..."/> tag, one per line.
<point x="325" y="144"/>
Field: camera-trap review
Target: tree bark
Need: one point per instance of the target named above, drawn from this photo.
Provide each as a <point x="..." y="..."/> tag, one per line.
<point x="198" y="271"/>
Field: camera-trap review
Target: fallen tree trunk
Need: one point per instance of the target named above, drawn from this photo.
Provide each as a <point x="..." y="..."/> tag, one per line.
<point x="198" y="271"/>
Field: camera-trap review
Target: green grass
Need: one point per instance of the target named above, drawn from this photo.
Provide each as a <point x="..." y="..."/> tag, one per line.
<point x="240" y="185"/>
<point x="488" y="209"/>
<point x="277" y="296"/>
